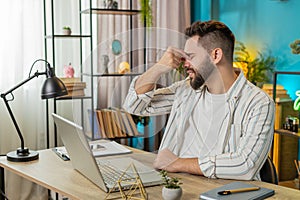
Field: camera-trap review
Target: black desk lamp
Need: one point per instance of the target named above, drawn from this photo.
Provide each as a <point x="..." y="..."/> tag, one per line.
<point x="52" y="87"/>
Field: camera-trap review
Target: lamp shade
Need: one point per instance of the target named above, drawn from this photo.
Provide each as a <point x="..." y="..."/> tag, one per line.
<point x="53" y="87"/>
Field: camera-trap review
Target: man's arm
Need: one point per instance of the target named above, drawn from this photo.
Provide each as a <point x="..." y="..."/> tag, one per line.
<point x="170" y="60"/>
<point x="142" y="99"/>
<point x="168" y="161"/>
<point x="188" y="165"/>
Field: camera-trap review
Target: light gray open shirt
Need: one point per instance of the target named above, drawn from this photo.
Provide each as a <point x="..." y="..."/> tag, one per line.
<point x="247" y="132"/>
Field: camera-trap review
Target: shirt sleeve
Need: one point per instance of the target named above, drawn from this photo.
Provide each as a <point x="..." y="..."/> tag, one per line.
<point x="155" y="102"/>
<point x="254" y="144"/>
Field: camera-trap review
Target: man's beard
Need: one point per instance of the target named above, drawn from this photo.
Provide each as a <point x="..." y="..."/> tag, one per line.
<point x="201" y="77"/>
<point x="197" y="82"/>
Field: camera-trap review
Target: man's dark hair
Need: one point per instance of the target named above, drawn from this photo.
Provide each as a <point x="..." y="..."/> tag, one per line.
<point x="213" y="34"/>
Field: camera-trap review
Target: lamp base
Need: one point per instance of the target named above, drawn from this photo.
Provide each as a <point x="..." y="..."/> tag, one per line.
<point x="22" y="155"/>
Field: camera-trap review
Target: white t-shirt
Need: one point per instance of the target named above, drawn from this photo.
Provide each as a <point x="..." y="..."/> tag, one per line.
<point x="202" y="130"/>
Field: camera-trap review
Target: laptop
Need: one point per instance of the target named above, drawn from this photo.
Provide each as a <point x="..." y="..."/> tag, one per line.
<point x="104" y="172"/>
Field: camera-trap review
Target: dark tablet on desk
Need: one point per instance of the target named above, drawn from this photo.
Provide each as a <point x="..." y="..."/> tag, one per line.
<point x="262" y="193"/>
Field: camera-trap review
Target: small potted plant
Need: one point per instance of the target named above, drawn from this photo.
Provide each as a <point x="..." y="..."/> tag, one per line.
<point x="171" y="189"/>
<point x="67" y="30"/>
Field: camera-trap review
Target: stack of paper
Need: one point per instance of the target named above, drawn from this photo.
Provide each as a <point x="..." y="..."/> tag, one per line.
<point x="101" y="148"/>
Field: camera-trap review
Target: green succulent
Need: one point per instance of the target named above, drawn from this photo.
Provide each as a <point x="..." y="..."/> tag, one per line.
<point x="169" y="182"/>
<point x="180" y="73"/>
<point x="67" y="28"/>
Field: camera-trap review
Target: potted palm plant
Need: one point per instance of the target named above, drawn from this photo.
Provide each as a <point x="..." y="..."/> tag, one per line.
<point x="257" y="70"/>
<point x="171" y="189"/>
<point x="295" y="47"/>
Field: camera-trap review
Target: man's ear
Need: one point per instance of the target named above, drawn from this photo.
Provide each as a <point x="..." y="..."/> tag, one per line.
<point x="216" y="55"/>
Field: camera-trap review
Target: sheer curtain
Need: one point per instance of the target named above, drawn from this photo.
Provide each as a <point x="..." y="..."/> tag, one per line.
<point x="112" y="90"/>
<point x="21" y="38"/>
<point x="170" y="18"/>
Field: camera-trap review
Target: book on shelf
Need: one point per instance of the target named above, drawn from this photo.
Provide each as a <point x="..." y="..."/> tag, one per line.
<point x="114" y="128"/>
<point x="117" y="124"/>
<point x="107" y="123"/>
<point x="74" y="86"/>
<point x="101" y="124"/>
<point x="75" y="93"/>
<point x="269" y="86"/>
<point x="281" y="93"/>
<point x="96" y="125"/>
<point x="66" y="80"/>
<point x="113" y="123"/>
<point x="133" y="128"/>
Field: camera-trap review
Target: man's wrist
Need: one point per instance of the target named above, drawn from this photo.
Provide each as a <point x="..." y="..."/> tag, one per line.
<point x="188" y="165"/>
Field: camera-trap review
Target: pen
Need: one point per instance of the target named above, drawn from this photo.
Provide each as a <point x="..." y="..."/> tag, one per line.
<point x="62" y="155"/>
<point x="227" y="192"/>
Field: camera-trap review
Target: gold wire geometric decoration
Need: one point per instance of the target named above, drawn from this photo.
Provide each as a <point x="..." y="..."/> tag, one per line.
<point x="136" y="188"/>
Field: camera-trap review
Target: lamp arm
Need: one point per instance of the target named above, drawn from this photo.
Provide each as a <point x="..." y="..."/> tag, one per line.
<point x="14" y="121"/>
<point x="36" y="74"/>
<point x="3" y="96"/>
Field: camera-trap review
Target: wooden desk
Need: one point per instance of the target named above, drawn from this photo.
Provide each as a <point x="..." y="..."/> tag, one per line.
<point x="285" y="152"/>
<point x="57" y="175"/>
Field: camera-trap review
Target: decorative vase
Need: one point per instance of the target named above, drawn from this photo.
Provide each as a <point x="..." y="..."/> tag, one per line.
<point x="171" y="193"/>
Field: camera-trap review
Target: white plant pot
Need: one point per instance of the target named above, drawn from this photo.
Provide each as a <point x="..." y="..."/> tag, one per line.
<point x="171" y="194"/>
<point x="67" y="32"/>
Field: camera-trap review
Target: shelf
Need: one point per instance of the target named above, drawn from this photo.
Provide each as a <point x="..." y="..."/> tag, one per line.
<point x="100" y="11"/>
<point x="85" y="33"/>
<point x="70" y="98"/>
<point x="67" y="36"/>
<point x="283" y="100"/>
<point x="112" y="74"/>
<point x="287" y="132"/>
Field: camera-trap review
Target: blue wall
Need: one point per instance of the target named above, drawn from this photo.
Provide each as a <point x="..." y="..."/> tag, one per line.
<point x="261" y="25"/>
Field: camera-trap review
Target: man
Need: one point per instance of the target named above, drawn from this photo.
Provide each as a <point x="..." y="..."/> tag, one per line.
<point x="220" y="125"/>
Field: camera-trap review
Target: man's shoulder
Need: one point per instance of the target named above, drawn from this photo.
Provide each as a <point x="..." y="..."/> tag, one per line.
<point x="257" y="93"/>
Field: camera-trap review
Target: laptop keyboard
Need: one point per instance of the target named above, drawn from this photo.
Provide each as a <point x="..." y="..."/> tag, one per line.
<point x="111" y="175"/>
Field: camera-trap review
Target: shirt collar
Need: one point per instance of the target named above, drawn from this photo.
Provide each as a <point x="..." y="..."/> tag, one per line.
<point x="236" y="88"/>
